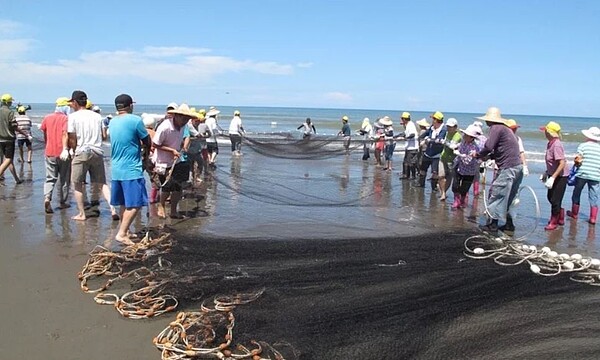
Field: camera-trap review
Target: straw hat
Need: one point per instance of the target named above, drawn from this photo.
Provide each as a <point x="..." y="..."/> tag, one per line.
<point x="184" y="110"/>
<point x="471" y="130"/>
<point x="213" y="111"/>
<point x="592" y="133"/>
<point x="423" y="122"/>
<point x="511" y="123"/>
<point x="386" y="121"/>
<point x="492" y="115"/>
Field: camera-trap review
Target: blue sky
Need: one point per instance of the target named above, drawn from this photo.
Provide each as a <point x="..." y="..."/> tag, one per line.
<point x="526" y="57"/>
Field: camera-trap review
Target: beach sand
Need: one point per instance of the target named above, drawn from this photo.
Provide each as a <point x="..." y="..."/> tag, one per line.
<point x="359" y="272"/>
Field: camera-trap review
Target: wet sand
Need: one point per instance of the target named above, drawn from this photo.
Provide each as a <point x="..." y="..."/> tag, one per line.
<point x="322" y="262"/>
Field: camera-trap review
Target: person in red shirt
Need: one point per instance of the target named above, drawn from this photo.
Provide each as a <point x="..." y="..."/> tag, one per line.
<point x="54" y="127"/>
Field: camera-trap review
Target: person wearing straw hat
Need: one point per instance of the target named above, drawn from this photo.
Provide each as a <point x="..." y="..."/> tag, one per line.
<point x="503" y="147"/>
<point x="129" y="140"/>
<point x="54" y="127"/>
<point x="433" y="138"/>
<point x="467" y="166"/>
<point x="379" y="137"/>
<point x="555" y="176"/>
<point x="8" y="130"/>
<point x="588" y="173"/>
<point x="480" y="141"/>
<point x="411" y="147"/>
<point x="212" y="146"/>
<point x="172" y="173"/>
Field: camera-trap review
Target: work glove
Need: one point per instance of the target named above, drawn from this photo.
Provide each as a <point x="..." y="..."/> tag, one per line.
<point x="64" y="155"/>
<point x="525" y="171"/>
<point x="549" y="182"/>
<point x="29" y="137"/>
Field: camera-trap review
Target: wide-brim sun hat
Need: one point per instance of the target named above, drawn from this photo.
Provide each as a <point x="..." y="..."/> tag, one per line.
<point x="512" y="123"/>
<point x="213" y="111"/>
<point x="386" y="121"/>
<point x="471" y="130"/>
<point x="423" y="122"/>
<point x="184" y="110"/>
<point x="592" y="133"/>
<point x="492" y="115"/>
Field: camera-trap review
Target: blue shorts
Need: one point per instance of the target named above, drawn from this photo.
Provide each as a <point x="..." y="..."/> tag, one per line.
<point x="131" y="193"/>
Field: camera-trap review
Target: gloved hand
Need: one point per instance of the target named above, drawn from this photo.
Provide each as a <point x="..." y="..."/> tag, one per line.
<point x="64" y="155"/>
<point x="549" y="182"/>
<point x="456" y="152"/>
<point x="543" y="177"/>
<point x="525" y="171"/>
<point x="29" y="137"/>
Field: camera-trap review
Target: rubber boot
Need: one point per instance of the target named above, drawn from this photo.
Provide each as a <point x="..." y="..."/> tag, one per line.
<point x="457" y="201"/>
<point x="153" y="195"/>
<point x="464" y="201"/>
<point x="421" y="181"/>
<point x="509" y="226"/>
<point x="574" y="213"/>
<point x="561" y="217"/>
<point x="405" y="172"/>
<point x="593" y="215"/>
<point x="553" y="223"/>
<point x="476" y="188"/>
<point x="434" y="183"/>
<point x="491" y="227"/>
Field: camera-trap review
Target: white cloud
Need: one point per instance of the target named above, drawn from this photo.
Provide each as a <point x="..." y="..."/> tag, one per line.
<point x="338" y="97"/>
<point x="173" y="65"/>
<point x="9" y="27"/>
<point x="304" y="65"/>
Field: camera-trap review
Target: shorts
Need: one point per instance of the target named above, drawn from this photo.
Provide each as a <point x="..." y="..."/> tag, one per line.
<point x="85" y="162"/>
<point x="389" y="151"/>
<point x="212" y="148"/>
<point x="446" y="169"/>
<point x="26" y="142"/>
<point x="130" y="193"/>
<point x="7" y="148"/>
<point x="181" y="174"/>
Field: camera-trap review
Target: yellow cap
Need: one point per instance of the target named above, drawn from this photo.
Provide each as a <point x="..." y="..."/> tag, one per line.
<point x="511" y="123"/>
<point x="345" y="118"/>
<point x="62" y="101"/>
<point x="88" y="104"/>
<point x="437" y="116"/>
<point x="21" y="109"/>
<point x="202" y="111"/>
<point x="406" y="115"/>
<point x="7" y="98"/>
<point x="193" y="109"/>
<point x="201" y="116"/>
<point x="551" y="128"/>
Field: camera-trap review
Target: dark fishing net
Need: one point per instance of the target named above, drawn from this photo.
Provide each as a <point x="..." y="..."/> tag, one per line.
<point x="314" y="147"/>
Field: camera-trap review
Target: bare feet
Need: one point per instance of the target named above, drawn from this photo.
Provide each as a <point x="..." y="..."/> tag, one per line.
<point x="160" y="211"/>
<point x="48" y="207"/>
<point x="124" y="239"/>
<point x="79" y="217"/>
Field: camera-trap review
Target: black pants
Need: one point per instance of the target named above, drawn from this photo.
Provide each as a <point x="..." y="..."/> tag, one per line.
<point x="556" y="194"/>
<point x="462" y="183"/>
<point x="236" y="142"/>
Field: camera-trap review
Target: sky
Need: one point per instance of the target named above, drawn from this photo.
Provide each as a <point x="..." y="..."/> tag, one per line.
<point x="526" y="57"/>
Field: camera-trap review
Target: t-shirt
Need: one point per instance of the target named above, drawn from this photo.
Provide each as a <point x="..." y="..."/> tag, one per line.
<point x="126" y="134"/>
<point x="211" y="122"/>
<point x="7" y="124"/>
<point x="411" y="129"/>
<point x="453" y="141"/>
<point x="235" y="126"/>
<point x="554" y="153"/>
<point x="87" y="125"/>
<point x="24" y="124"/>
<point x="167" y="135"/>
<point x="198" y="143"/>
<point x="346" y="131"/>
<point x="54" y="125"/>
<point x="590" y="166"/>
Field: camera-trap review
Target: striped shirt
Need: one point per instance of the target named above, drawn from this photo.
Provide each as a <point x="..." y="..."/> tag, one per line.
<point x="590" y="166"/>
<point x="24" y="124"/>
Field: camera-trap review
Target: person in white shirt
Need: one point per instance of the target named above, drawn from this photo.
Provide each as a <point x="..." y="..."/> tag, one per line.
<point x="411" y="147"/>
<point x="236" y="130"/>
<point x="366" y="130"/>
<point x="211" y="143"/>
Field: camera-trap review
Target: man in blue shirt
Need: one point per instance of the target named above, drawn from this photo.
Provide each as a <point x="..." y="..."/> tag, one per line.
<point x="127" y="135"/>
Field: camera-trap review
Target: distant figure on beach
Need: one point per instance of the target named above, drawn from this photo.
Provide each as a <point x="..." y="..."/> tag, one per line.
<point x="467" y="165"/>
<point x="58" y="171"/>
<point x="366" y="130"/>
<point x="411" y="147"/>
<point x="555" y="176"/>
<point x="130" y="142"/>
<point x="480" y="141"/>
<point x="433" y="139"/>
<point x="309" y="129"/>
<point x="85" y="135"/>
<point x="502" y="145"/>
<point x="24" y="137"/>
<point x="423" y="126"/>
<point x="390" y="143"/>
<point x="446" y="170"/>
<point x="8" y="137"/>
<point x="379" y="137"/>
<point x="212" y="146"/>
<point x="167" y="142"/>
<point x="236" y="130"/>
<point x="346" y="132"/>
<point x="197" y="151"/>
<point x="148" y="162"/>
<point x="587" y="161"/>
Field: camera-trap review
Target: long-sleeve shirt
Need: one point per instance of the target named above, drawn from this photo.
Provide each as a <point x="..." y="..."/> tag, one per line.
<point x="503" y="145"/>
<point x="436" y="137"/>
<point x="467" y="165"/>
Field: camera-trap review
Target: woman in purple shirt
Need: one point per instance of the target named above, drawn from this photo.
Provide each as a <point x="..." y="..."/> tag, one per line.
<point x="555" y="177"/>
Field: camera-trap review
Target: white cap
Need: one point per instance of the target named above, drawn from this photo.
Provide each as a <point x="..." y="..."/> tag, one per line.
<point x="148" y="120"/>
<point x="172" y="105"/>
<point x="452" y="122"/>
<point x="96" y="108"/>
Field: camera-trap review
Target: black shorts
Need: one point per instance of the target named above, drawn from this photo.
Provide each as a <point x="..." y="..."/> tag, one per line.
<point x="7" y="148"/>
<point x="212" y="147"/>
<point x="21" y="142"/>
<point x="181" y="174"/>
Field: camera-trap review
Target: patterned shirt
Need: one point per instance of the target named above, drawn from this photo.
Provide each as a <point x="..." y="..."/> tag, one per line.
<point x="24" y="124"/>
<point x="590" y="167"/>
<point x="467" y="165"/>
